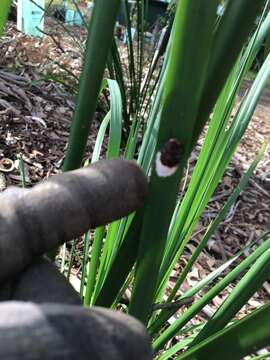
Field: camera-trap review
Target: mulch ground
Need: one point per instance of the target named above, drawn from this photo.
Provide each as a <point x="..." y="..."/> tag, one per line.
<point x="35" y="119"/>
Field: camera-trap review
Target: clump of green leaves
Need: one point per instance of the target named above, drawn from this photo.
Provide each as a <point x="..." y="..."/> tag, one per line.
<point x="203" y="67"/>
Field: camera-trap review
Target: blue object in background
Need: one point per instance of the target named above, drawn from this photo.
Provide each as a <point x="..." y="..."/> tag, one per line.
<point x="69" y="19"/>
<point x="78" y="19"/>
<point x="30" y="17"/>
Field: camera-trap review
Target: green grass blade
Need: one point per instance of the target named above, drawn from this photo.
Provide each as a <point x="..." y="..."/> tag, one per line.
<point x="167" y="354"/>
<point x="22" y="170"/>
<point x="146" y="84"/>
<point x="193" y="329"/>
<point x="249" y="104"/>
<point x="238" y="340"/>
<point x="180" y="97"/>
<point x="140" y="48"/>
<point x="131" y="66"/>
<point x="93" y="265"/>
<point x="206" y="174"/>
<point x="160" y="321"/>
<point x="201" y="185"/>
<point x="86" y="245"/>
<point x="116" y="120"/>
<point x="262" y="357"/>
<point x="100" y="32"/>
<point x="148" y="147"/>
<point x="5" y="6"/>
<point x="114" y="117"/>
<point x="196" y="307"/>
<point x="122" y="265"/>
<point x="243" y="291"/>
<point x="259" y="35"/>
<point x="191" y="209"/>
<point x="213" y="226"/>
<point x="100" y="137"/>
<point x="231" y="37"/>
<point x="120" y="78"/>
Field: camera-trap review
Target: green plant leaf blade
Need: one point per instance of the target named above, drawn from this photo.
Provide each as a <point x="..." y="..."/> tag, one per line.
<point x="237" y="340"/>
<point x="5" y="6"/>
<point x="100" y="32"/>
<point x="177" y="100"/>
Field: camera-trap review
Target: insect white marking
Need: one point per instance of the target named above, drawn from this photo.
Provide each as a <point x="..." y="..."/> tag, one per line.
<point x="163" y="170"/>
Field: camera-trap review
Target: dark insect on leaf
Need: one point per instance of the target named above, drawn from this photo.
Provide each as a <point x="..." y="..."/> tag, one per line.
<point x="171" y="153"/>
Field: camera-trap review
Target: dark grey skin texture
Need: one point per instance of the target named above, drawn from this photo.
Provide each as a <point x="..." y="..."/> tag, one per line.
<point x="40" y="313"/>
<point x="38" y="220"/>
<point x="32" y="331"/>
